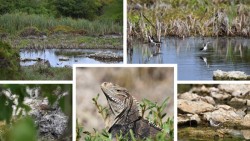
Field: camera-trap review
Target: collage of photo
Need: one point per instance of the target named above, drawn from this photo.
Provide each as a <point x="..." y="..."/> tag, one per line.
<point x="124" y="70"/>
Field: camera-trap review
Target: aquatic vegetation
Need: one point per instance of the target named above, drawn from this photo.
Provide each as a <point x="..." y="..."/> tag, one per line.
<point x="68" y="53"/>
<point x="67" y="41"/>
<point x="30" y="31"/>
<point x="104" y="41"/>
<point x="52" y="73"/>
<point x="184" y="18"/>
<point x="60" y="29"/>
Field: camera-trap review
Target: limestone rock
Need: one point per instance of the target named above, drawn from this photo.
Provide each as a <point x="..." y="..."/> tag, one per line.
<point x="248" y="103"/>
<point x="196" y="118"/>
<point x="220" y="96"/>
<point x="246" y="121"/>
<point x="231" y="75"/>
<point x="189" y="96"/>
<point x="236" y="90"/>
<point x="246" y="134"/>
<point x="194" y="107"/>
<point x="222" y="115"/>
<point x="213" y="89"/>
<point x="225" y="107"/>
<point x="182" y="119"/>
<point x="203" y="89"/>
<point x="237" y="102"/>
<point x="208" y="99"/>
<point x="188" y="119"/>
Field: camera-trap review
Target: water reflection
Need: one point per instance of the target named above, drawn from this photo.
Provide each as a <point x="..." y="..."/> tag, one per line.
<point x="64" y="57"/>
<point x="226" y="54"/>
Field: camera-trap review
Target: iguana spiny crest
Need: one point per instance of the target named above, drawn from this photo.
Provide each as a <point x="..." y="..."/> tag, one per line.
<point x="123" y="107"/>
<point x="124" y="114"/>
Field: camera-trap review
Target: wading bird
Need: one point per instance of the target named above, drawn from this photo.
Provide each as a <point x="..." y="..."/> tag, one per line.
<point x="153" y="41"/>
<point x="205" y="47"/>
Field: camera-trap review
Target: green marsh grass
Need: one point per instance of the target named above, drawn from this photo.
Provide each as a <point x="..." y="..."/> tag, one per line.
<point x="14" y="23"/>
<point x="30" y="73"/>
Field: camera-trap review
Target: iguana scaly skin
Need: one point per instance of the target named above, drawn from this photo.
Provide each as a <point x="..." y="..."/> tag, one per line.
<point x="124" y="114"/>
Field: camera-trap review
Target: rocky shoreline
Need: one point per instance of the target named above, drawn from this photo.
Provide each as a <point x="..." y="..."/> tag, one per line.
<point x="225" y="106"/>
<point x="106" y="56"/>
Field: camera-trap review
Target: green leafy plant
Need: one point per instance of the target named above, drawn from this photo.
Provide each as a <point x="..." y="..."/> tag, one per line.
<point x="155" y="114"/>
<point x="9" y="62"/>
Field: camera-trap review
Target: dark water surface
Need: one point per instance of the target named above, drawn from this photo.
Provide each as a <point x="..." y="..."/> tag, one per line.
<point x="226" y="54"/>
<point x="53" y="58"/>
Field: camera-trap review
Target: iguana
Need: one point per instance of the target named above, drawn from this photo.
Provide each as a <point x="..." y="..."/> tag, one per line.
<point x="123" y="114"/>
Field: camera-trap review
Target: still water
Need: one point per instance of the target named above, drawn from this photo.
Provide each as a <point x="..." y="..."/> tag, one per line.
<point x="226" y="54"/>
<point x="78" y="56"/>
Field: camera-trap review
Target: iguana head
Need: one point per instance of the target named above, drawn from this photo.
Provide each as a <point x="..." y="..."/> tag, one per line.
<point x="123" y="107"/>
<point x="117" y="97"/>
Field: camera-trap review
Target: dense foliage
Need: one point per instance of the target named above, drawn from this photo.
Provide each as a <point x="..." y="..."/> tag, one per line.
<point x="88" y="9"/>
<point x="9" y="62"/>
<point x="92" y="17"/>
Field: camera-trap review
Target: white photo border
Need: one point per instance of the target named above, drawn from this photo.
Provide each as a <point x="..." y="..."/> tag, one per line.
<point x="75" y="66"/>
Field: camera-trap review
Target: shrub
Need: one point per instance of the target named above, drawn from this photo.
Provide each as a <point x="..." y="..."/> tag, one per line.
<point x="156" y="115"/>
<point x="9" y="62"/>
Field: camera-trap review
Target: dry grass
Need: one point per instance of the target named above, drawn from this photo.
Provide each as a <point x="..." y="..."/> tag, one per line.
<point x="188" y="18"/>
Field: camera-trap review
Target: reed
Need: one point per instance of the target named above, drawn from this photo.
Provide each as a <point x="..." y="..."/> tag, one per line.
<point x="183" y="18"/>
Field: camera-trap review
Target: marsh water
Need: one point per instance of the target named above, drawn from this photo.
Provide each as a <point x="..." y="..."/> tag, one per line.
<point x="226" y="54"/>
<point x="65" y="57"/>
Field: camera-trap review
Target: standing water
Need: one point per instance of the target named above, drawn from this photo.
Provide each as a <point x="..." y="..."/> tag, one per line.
<point x="65" y="57"/>
<point x="226" y="54"/>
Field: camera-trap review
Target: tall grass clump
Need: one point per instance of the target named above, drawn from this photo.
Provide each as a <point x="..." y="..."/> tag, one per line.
<point x="13" y="23"/>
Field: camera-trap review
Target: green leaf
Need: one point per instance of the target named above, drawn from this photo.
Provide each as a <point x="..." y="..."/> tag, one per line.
<point x="24" y="130"/>
<point x="5" y="108"/>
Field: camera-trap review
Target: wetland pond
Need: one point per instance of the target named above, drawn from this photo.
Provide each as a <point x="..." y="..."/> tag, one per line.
<point x="67" y="57"/>
<point x="223" y="53"/>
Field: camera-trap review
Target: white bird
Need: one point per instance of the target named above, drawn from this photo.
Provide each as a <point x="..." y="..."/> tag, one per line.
<point x="205" y="47"/>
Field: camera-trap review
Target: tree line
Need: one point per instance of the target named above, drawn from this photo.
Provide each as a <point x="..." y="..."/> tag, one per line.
<point x="87" y="9"/>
